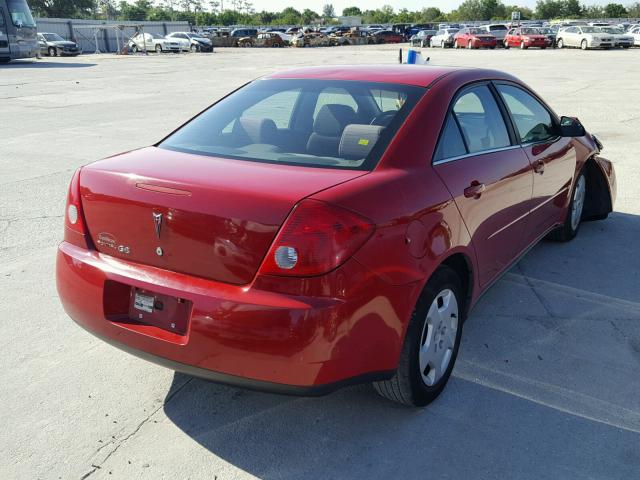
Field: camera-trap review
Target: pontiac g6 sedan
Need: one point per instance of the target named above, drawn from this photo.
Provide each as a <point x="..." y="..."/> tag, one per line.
<point x="325" y="226"/>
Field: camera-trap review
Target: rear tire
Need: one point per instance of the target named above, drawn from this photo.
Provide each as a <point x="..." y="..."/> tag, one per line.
<point x="431" y="343"/>
<point x="571" y="225"/>
<point x="158" y="48"/>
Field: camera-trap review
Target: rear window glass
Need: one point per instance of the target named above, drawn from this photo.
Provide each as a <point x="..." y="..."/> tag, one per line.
<point x="318" y="123"/>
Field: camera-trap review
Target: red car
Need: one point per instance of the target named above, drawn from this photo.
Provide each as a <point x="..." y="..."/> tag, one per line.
<point x="388" y="36"/>
<point x="325" y="226"/>
<point x="525" y="38"/>
<point x="474" y="38"/>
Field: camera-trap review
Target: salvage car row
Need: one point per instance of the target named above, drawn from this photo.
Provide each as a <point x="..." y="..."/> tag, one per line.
<point x="578" y="36"/>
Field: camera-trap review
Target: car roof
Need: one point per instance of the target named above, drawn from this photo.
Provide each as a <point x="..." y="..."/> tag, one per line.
<point x="417" y="75"/>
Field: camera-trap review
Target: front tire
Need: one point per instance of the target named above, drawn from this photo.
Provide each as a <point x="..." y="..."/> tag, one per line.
<point x="193" y="48"/>
<point x="158" y="48"/>
<point x="523" y="46"/>
<point x="53" y="52"/>
<point x="431" y="343"/>
<point x="583" y="45"/>
<point x="560" y="43"/>
<point x="569" y="229"/>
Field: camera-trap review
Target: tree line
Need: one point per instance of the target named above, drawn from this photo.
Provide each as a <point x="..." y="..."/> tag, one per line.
<point x="242" y="12"/>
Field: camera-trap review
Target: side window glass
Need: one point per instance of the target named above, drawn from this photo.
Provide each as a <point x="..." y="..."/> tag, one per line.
<point x="481" y="120"/>
<point x="334" y="96"/>
<point x="451" y="143"/>
<point x="533" y="122"/>
<point x="278" y="107"/>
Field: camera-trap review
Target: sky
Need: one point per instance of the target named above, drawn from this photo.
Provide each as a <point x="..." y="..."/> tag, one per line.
<point x="316" y="5"/>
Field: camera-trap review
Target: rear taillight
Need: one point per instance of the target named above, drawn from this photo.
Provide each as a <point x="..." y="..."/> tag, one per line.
<point x="75" y="228"/>
<point x="316" y="238"/>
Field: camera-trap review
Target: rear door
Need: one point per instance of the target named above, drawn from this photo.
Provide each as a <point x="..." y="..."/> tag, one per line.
<point x="4" y="37"/>
<point x="488" y="175"/>
<point x="552" y="157"/>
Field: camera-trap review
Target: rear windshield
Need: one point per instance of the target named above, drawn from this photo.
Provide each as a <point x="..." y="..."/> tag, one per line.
<point x="497" y="27"/>
<point x="317" y="123"/>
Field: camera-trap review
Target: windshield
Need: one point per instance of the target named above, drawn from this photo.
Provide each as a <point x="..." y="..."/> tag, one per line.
<point x="20" y="13"/>
<point x="530" y="31"/>
<point x="589" y="30"/>
<point x="611" y="30"/>
<point x="53" y="37"/>
<point x="545" y="31"/>
<point x="316" y="123"/>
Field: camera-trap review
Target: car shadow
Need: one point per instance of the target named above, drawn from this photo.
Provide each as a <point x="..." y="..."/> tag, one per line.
<point x="545" y="387"/>
<point x="44" y="64"/>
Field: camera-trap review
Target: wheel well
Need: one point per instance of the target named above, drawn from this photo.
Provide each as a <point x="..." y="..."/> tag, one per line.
<point x="597" y="204"/>
<point x="461" y="264"/>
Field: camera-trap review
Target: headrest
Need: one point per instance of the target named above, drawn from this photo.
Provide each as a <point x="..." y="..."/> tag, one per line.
<point x="259" y="130"/>
<point x="358" y="140"/>
<point x="332" y="118"/>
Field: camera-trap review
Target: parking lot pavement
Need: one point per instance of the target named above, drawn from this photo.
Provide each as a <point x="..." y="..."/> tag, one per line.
<point x="547" y="383"/>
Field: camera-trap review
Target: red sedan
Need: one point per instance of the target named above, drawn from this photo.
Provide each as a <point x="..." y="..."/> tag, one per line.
<point x="525" y="38"/>
<point x="474" y="38"/>
<point x="325" y="226"/>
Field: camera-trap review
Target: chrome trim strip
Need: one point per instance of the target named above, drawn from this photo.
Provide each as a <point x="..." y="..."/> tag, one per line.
<point x="475" y="154"/>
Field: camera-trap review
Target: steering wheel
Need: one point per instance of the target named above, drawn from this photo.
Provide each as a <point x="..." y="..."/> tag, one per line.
<point x="383" y="119"/>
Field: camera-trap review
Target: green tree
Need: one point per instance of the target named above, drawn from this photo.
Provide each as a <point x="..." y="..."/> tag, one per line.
<point x="135" y="11"/>
<point x="309" y="16"/>
<point x="431" y="14"/>
<point x="351" y="11"/>
<point x="615" y="10"/>
<point x="634" y="10"/>
<point x="63" y="8"/>
<point x="328" y="11"/>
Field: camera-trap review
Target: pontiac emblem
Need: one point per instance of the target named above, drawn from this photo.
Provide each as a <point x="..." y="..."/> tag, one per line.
<point x="157" y="220"/>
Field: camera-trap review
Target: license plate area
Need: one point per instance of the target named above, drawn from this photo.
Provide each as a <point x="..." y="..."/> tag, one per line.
<point x="159" y="310"/>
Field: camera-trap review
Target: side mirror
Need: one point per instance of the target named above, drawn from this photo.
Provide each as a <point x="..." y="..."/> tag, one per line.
<point x="571" y="127"/>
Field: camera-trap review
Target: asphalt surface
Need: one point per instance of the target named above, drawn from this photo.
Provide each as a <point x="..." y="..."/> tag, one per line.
<point x="547" y="384"/>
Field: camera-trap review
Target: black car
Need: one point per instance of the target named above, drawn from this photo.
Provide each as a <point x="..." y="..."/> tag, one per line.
<point x="53" y="45"/>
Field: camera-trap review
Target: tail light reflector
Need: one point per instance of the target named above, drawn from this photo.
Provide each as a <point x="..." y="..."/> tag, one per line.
<point x="316" y="238"/>
<point x="75" y="230"/>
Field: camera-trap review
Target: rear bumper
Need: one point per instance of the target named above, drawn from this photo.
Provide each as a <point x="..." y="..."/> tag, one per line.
<point x="246" y="336"/>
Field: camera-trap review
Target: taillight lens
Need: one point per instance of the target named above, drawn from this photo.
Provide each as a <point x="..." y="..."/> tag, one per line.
<point x="75" y="228"/>
<point x="316" y="238"/>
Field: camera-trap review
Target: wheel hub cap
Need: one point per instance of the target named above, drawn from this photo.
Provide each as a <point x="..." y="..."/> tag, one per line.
<point x="438" y="337"/>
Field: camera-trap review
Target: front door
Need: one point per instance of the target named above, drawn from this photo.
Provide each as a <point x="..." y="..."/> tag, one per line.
<point x="489" y="177"/>
<point x="552" y="157"/>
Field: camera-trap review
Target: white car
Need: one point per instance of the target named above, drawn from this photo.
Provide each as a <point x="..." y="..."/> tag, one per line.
<point x="635" y="33"/>
<point x="443" y="38"/>
<point x="192" y="42"/>
<point x="153" y="41"/>
<point x="620" y="38"/>
<point x="584" y="37"/>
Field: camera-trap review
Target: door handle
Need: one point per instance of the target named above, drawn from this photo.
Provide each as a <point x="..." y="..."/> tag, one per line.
<point x="538" y="166"/>
<point x="474" y="190"/>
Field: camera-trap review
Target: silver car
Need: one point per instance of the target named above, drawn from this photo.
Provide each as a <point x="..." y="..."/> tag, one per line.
<point x="153" y="41"/>
<point x="443" y="37"/>
<point x="498" y="30"/>
<point x="584" y="37"/>
<point x="620" y="38"/>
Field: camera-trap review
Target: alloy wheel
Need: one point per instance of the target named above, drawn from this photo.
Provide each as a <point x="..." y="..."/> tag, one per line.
<point x="578" y="202"/>
<point x="438" y="337"/>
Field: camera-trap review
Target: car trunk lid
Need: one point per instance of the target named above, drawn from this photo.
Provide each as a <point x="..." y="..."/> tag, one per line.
<point x="205" y="216"/>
